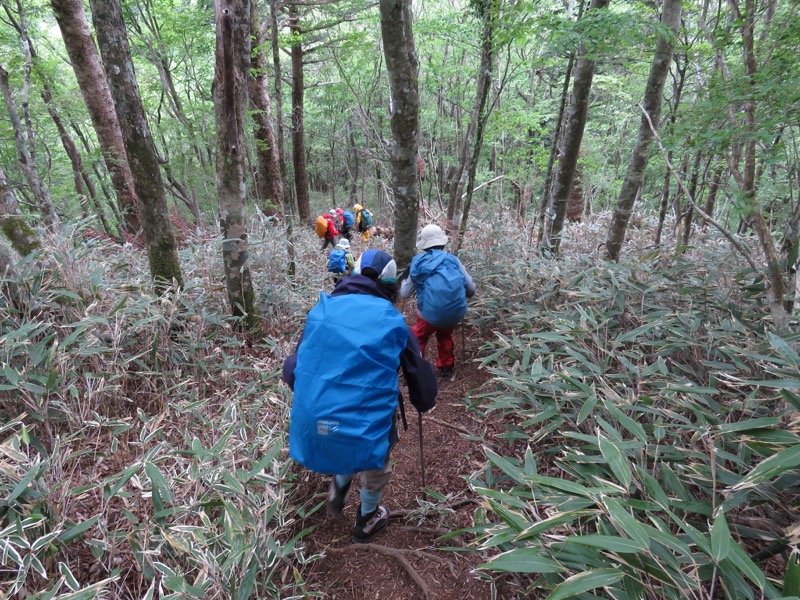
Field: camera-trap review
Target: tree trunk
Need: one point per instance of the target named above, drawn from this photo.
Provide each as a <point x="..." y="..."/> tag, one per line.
<point x="269" y="184"/>
<point x="689" y="212"/>
<point x="746" y="180"/>
<point x="711" y="200"/>
<point x="653" y="100"/>
<point x="478" y="110"/>
<point x="231" y="76"/>
<point x="573" y="136"/>
<point x="26" y="162"/>
<point x="92" y="81"/>
<point x="401" y="65"/>
<point x="488" y="11"/>
<point x="139" y="147"/>
<point x="21" y="235"/>
<point x="298" y="135"/>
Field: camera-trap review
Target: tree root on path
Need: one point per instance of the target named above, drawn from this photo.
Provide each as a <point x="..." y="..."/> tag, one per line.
<point x="400" y="555"/>
<point x="458" y="428"/>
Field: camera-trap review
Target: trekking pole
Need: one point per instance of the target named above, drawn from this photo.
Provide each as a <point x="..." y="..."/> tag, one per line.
<point x="421" y="452"/>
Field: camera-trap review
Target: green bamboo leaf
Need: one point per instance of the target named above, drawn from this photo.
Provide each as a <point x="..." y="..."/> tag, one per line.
<point x="746" y="565"/>
<point x="73" y="532"/>
<point x="69" y="578"/>
<point x="583" y="582"/>
<point x="522" y="560"/>
<point x="791" y="578"/>
<point x="616" y="461"/>
<point x="160" y="484"/>
<point x="506" y="466"/>
<point x="623" y="519"/>
<point x="785" y="350"/>
<point x="126" y="476"/>
<point x="720" y="538"/>
<point x="609" y="543"/>
<point x="771" y="468"/>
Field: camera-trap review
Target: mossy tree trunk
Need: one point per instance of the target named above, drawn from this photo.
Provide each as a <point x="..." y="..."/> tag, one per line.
<point x="652" y="103"/>
<point x="139" y="146"/>
<point x="402" y="65"/>
<point x="231" y="76"/>
<point x="21" y="236"/>
<point x="92" y="82"/>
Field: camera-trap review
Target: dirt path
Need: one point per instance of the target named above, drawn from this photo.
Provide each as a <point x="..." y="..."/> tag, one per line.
<point x="405" y="561"/>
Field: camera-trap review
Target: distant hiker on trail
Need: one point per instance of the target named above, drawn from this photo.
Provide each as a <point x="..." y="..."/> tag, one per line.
<point x="344" y="375"/>
<point x="340" y="261"/>
<point x="442" y="285"/>
<point x="329" y="233"/>
<point x="364" y="221"/>
<point x="348" y="221"/>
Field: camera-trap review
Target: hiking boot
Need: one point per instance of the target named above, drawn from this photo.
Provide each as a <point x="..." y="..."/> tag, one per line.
<point x="445" y="372"/>
<point x="368" y="526"/>
<point x="337" y="497"/>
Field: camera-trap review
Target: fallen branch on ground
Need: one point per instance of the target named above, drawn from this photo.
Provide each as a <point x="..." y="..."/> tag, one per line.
<point x="404" y="512"/>
<point x="457" y="428"/>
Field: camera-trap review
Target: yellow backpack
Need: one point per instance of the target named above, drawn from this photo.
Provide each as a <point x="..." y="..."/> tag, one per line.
<point x="321" y="226"/>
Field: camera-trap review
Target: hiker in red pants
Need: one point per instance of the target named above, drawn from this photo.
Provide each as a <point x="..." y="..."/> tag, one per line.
<point x="442" y="285"/>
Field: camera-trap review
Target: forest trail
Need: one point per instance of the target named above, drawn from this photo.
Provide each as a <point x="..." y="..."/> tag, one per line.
<point x="406" y="561"/>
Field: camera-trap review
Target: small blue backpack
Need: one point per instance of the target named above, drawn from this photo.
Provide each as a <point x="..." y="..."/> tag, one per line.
<point x="337" y="262"/>
<point x="349" y="219"/>
<point x="441" y="288"/>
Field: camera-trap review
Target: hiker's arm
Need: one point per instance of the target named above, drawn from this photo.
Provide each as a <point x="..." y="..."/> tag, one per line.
<point x="469" y="283"/>
<point x="420" y="376"/>
<point x="290" y="363"/>
<point x="406" y="287"/>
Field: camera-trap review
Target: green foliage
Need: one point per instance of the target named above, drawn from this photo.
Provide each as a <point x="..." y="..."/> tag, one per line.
<point x="640" y="414"/>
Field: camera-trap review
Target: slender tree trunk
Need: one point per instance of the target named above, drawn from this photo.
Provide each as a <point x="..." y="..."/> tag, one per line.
<point x="26" y="162"/>
<point x="139" y="147"/>
<point x="711" y="200"/>
<point x="488" y="12"/>
<point x="298" y="135"/>
<point x="548" y="178"/>
<point x="91" y="78"/>
<point x="21" y="235"/>
<point x="746" y="180"/>
<point x="468" y="143"/>
<point x="653" y="100"/>
<point x="269" y="184"/>
<point x="402" y="65"/>
<point x="573" y="136"/>
<point x="689" y="213"/>
<point x="83" y="184"/>
<point x="231" y="76"/>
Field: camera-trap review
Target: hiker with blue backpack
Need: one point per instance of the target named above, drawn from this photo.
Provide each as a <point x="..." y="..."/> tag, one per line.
<point x="442" y="285"/>
<point x="347" y="222"/>
<point x="340" y="261"/>
<point x="344" y="375"/>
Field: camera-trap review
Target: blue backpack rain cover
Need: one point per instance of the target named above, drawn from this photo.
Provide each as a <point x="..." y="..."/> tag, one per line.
<point x="345" y="391"/>
<point x="336" y="261"/>
<point x="349" y="219"/>
<point x="441" y="288"/>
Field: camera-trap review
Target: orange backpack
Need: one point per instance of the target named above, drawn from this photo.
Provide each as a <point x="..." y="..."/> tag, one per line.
<point x="321" y="226"/>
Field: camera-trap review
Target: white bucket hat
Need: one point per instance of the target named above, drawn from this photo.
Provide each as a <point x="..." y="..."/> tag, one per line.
<point x="343" y="244"/>
<point x="430" y="236"/>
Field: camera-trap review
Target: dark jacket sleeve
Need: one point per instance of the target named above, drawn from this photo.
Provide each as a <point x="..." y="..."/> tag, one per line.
<point x="290" y="363"/>
<point x="420" y="376"/>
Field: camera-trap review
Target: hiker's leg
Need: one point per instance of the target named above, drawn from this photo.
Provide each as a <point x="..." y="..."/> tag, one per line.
<point x="343" y="480"/>
<point x="444" y="345"/>
<point x="373" y="482"/>
<point x="423" y="331"/>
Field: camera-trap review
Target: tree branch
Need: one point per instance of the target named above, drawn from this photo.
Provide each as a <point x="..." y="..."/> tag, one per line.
<point x="742" y="248"/>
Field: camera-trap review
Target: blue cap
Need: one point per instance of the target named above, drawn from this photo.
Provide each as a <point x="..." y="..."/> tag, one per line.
<point x="380" y="262"/>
